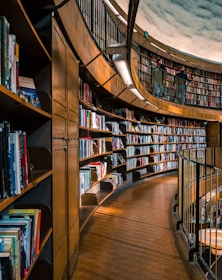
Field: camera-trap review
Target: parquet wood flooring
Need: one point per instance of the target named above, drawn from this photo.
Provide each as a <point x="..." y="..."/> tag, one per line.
<point x="132" y="236"/>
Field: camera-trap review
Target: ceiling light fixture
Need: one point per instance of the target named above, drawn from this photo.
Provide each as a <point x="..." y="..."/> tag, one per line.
<point x="123" y="69"/>
<point x="119" y="57"/>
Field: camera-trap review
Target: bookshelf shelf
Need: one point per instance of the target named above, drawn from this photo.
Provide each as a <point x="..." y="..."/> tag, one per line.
<point x="19" y="106"/>
<point x="42" y="175"/>
<point x="83" y="161"/>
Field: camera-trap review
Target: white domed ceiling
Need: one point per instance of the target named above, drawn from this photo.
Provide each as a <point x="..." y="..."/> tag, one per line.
<point x="192" y="26"/>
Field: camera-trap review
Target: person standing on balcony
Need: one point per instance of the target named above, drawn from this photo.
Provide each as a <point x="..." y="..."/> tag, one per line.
<point x="181" y="80"/>
<point x="159" y="76"/>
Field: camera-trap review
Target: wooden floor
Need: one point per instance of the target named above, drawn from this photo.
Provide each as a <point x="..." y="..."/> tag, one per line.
<point x="133" y="236"/>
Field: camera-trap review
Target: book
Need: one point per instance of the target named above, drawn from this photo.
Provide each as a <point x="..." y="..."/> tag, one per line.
<point x="12" y="63"/>
<point x="4" y="50"/>
<point x="24" y="224"/>
<point x="27" y="91"/>
<point x="5" y="161"/>
<point x="24" y="159"/>
<point x="35" y="216"/>
<point x="85" y="179"/>
<point x="16" y="162"/>
<point x="12" y="244"/>
<point x="16" y="66"/>
<point x="26" y="241"/>
<point x="2" y="190"/>
<point x="6" y="267"/>
<point x="101" y="168"/>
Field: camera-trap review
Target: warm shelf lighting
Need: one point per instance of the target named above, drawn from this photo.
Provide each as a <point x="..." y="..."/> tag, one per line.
<point x="111" y="7"/>
<point x="147" y="102"/>
<point x="136" y="92"/>
<point x="116" y="13"/>
<point x="119" y="57"/>
<point x="123" y="69"/>
<point x="154" y="45"/>
<point x="177" y="57"/>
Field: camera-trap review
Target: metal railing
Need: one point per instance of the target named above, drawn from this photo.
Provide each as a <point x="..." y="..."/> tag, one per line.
<point x="200" y="207"/>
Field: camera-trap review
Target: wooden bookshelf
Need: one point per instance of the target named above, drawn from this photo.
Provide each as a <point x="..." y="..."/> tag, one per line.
<point x="34" y="62"/>
<point x="204" y="89"/>
<point x="65" y="135"/>
<point x="102" y="152"/>
<point x="55" y="57"/>
<point x="141" y="144"/>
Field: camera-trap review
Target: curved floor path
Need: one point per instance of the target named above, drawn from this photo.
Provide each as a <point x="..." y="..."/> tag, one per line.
<point x="132" y="236"/>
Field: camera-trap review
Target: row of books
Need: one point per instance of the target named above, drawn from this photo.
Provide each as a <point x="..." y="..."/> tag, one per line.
<point x="91" y="173"/>
<point x="165" y="129"/>
<point x="114" y="127"/>
<point x="9" y="74"/>
<point x="19" y="242"/>
<point x="13" y="162"/>
<point x="117" y="159"/>
<point x="146" y="58"/>
<point x="90" y="119"/>
<point x="200" y="85"/>
<point x="186" y="123"/>
<point x="85" y="92"/>
<point x="133" y="139"/>
<point x="117" y="143"/>
<point x="115" y="178"/>
<point x="128" y="114"/>
<point x="91" y="146"/>
<point x="160" y="160"/>
<point x="87" y="177"/>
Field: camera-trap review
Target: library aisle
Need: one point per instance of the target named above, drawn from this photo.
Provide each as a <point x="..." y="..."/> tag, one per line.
<point x="133" y="236"/>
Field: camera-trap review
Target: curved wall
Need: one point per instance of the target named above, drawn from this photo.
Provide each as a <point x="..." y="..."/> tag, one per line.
<point x="93" y="60"/>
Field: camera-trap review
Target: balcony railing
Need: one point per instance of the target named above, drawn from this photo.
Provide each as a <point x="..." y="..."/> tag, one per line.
<point x="200" y="207"/>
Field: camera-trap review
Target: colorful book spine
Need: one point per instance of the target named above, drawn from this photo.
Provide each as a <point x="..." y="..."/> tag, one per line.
<point x="4" y="51"/>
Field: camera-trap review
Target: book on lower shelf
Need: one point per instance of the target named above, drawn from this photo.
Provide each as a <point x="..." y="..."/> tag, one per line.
<point x="87" y="176"/>
<point x="6" y="265"/>
<point x="16" y="170"/>
<point x="100" y="167"/>
<point x="10" y="252"/>
<point x="5" y="159"/>
<point x="115" y="178"/>
<point x="35" y="216"/>
<point x="27" y="91"/>
<point x="24" y="225"/>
